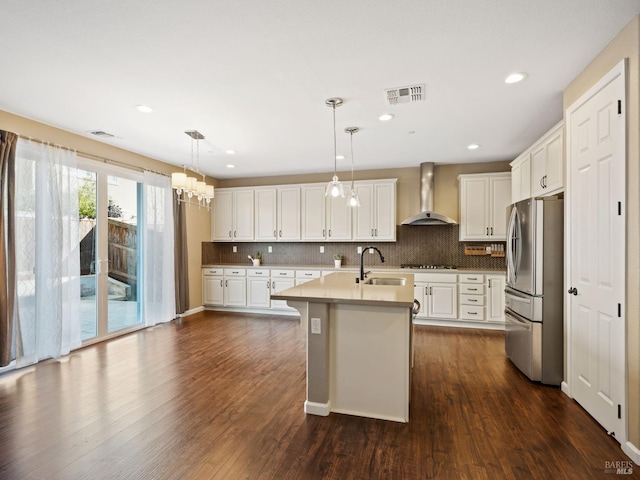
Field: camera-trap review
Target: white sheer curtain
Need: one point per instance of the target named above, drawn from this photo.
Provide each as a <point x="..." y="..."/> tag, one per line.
<point x="158" y="298"/>
<point x="47" y="252"/>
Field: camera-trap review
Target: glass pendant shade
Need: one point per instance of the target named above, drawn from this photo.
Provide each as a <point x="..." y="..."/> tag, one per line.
<point x="334" y="188"/>
<point x="353" y="200"/>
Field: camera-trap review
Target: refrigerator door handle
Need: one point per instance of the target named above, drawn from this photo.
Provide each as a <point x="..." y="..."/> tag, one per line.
<point x="511" y="246"/>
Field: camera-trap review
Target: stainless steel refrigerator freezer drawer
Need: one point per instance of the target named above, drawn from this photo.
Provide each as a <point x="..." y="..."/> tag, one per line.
<point x="524" y="305"/>
<point x="524" y="344"/>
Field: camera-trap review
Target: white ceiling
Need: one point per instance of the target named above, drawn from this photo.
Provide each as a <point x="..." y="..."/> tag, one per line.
<point x="253" y="75"/>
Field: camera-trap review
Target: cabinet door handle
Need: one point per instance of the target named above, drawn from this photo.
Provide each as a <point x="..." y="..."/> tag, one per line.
<point x="268" y="284"/>
<point x="473" y="313"/>
<point x="473" y="278"/>
<point x="234" y="234"/>
<point x="323" y="233"/>
<point x="376" y="232"/>
<point x="220" y="282"/>
<point x="491" y="230"/>
<point x="275" y="234"/>
<point x="372" y="232"/>
<point x="226" y="283"/>
<point x="426" y="290"/>
<point x="545" y="181"/>
<point x="280" y="233"/>
<point x="473" y="289"/>
<point x="487" y="230"/>
<point x="473" y="299"/>
<point x="489" y="283"/>
<point x="542" y="181"/>
<point x="229" y="233"/>
<point x="329" y="232"/>
<point x="273" y="284"/>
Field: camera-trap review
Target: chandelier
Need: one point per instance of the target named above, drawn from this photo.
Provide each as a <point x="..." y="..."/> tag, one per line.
<point x="189" y="185"/>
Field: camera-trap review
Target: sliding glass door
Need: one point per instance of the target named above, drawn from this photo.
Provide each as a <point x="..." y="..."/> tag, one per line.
<point x="109" y="210"/>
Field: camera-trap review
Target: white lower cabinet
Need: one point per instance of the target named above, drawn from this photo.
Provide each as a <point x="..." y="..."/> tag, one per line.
<point x="472" y="297"/>
<point x="495" y="298"/>
<point x="212" y="286"/>
<point x="482" y="297"/>
<point x="437" y="294"/>
<point x="224" y="287"/>
<point x="259" y="288"/>
<point x="281" y="280"/>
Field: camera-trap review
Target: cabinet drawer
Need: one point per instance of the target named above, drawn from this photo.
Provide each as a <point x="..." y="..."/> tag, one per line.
<point x="212" y="271"/>
<point x="471" y="278"/>
<point x="435" y="277"/>
<point x="469" y="312"/>
<point x="283" y="273"/>
<point x="466" y="299"/>
<point x="235" y="272"/>
<point x="472" y="288"/>
<point x="307" y="274"/>
<point x="259" y="272"/>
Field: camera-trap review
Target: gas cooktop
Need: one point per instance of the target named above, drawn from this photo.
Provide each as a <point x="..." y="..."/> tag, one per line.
<point x="429" y="267"/>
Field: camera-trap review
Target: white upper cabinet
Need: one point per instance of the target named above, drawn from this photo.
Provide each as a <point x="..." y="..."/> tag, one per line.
<point x="375" y="219"/>
<point x="521" y="178"/>
<point x="484" y="199"/>
<point x="233" y="215"/>
<point x="266" y="214"/>
<point x="292" y="213"/>
<point x="313" y="213"/>
<point x="547" y="167"/>
<point x="277" y="213"/>
<point x="539" y="170"/>
<point x="289" y="213"/>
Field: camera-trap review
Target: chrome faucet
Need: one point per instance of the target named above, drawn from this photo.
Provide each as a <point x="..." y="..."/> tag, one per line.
<point x="362" y="274"/>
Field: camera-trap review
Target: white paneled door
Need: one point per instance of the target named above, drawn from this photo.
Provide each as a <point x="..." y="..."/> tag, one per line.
<point x="596" y="249"/>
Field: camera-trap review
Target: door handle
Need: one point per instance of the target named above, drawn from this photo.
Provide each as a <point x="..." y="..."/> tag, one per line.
<point x="491" y="230"/>
<point x="573" y="291"/>
<point x="280" y="233"/>
<point x="487" y="230"/>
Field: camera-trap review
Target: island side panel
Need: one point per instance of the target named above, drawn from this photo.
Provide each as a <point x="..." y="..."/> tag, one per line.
<point x="318" y="400"/>
<point x="370" y="361"/>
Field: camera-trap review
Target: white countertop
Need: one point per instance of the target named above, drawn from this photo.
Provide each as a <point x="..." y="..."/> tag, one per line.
<point x="349" y="268"/>
<point x="341" y="288"/>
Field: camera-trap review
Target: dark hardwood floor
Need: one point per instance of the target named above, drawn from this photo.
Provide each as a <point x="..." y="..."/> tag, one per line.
<point x="221" y="396"/>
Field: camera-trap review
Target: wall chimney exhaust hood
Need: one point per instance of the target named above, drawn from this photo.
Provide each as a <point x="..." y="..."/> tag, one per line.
<point x="427" y="216"/>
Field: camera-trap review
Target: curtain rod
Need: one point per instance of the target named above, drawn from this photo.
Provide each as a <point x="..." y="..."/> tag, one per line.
<point x="91" y="156"/>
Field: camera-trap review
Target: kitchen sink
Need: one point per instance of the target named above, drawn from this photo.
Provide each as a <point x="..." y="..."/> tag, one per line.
<point x="398" y="282"/>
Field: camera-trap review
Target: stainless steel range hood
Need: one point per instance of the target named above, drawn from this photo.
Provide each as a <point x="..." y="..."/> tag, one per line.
<point x="427" y="216"/>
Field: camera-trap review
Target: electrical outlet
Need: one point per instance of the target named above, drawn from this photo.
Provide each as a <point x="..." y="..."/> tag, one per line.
<point x="270" y="249"/>
<point x="235" y="249"/>
<point x="359" y="250"/>
<point x="316" y="326"/>
<point x="321" y="249"/>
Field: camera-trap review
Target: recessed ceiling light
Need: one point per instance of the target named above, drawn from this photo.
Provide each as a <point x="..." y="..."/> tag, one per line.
<point x="411" y="132"/>
<point x="339" y="157"/>
<point x="144" y="108"/>
<point x="385" y="117"/>
<point x="515" y="77"/>
<point x="230" y="152"/>
<point x="231" y="165"/>
<point x="473" y="146"/>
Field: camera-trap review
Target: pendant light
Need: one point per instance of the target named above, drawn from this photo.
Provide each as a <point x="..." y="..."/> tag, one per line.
<point x="353" y="200"/>
<point x="334" y="187"/>
<point x="188" y="185"/>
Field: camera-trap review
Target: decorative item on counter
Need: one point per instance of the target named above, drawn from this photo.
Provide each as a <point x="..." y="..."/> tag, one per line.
<point x="492" y="249"/>
<point x="337" y="260"/>
<point x="256" y="260"/>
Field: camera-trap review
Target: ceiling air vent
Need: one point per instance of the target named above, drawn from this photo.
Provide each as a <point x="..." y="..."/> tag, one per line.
<point x="101" y="133"/>
<point x="410" y="94"/>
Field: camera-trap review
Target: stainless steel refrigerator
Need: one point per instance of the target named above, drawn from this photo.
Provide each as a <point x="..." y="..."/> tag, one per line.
<point x="534" y="288"/>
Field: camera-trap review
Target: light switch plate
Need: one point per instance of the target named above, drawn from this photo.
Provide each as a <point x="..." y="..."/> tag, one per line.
<point x="321" y="249"/>
<point x="315" y="326"/>
<point x="359" y="250"/>
<point x="270" y="249"/>
<point x="235" y="249"/>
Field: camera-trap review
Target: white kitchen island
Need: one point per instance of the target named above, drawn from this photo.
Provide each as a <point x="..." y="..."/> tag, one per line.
<point x="359" y="345"/>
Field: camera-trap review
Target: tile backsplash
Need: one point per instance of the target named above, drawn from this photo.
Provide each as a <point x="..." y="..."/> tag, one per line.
<point x="429" y="245"/>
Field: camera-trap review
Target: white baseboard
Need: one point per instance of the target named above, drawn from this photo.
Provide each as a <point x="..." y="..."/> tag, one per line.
<point x="564" y="387"/>
<point x="314" y="408"/>
<point x="264" y="311"/>
<point x="190" y="312"/>
<point x="632" y="452"/>
<point x="460" y="324"/>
